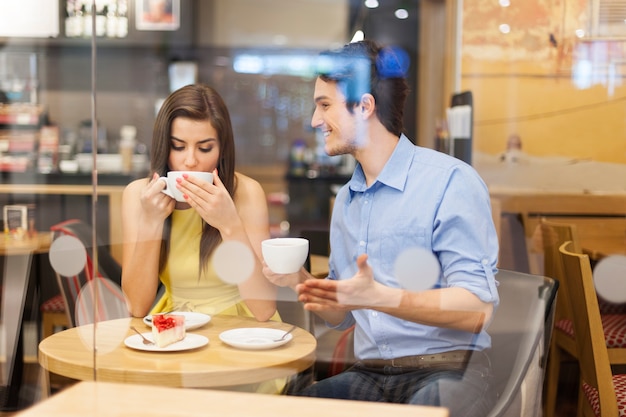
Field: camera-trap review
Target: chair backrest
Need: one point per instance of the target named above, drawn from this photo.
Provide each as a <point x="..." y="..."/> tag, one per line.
<point x="520" y="333"/>
<point x="595" y="368"/>
<point x="108" y="276"/>
<point x="553" y="235"/>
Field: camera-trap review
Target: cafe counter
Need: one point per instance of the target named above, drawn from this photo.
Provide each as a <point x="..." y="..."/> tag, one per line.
<point x="59" y="197"/>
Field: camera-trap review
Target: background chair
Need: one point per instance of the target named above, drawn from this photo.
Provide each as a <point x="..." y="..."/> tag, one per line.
<point x="563" y="345"/>
<point x="53" y="316"/>
<point x="70" y="286"/>
<point x="520" y="332"/>
<point x="600" y="393"/>
<point x="61" y="309"/>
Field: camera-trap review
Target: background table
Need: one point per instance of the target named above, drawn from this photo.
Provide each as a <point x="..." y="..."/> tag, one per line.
<point x="214" y="365"/>
<point x="598" y="248"/>
<point x="95" y="399"/>
<point x="17" y="256"/>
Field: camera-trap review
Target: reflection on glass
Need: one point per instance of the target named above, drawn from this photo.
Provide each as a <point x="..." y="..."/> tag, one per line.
<point x="554" y="79"/>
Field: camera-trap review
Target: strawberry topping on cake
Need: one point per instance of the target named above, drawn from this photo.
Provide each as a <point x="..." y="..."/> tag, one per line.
<point x="167" y="329"/>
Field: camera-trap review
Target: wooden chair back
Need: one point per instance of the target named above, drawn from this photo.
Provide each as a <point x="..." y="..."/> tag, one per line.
<point x="553" y="235"/>
<point x="595" y="368"/>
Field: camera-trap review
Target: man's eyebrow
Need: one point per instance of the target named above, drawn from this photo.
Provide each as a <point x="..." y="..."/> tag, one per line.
<point x="320" y="98"/>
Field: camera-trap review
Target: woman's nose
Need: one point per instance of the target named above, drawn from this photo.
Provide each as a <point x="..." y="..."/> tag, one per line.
<point x="190" y="159"/>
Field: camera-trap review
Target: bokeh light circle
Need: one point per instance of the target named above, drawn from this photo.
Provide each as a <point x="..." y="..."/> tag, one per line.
<point x="233" y="262"/>
<point x="417" y="269"/>
<point x="68" y="256"/>
<point x="100" y="301"/>
<point x="608" y="276"/>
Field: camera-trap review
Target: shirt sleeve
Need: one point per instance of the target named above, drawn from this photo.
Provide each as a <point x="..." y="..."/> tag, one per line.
<point x="464" y="236"/>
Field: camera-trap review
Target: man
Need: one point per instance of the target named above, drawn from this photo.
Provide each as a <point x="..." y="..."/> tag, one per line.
<point x="414" y="345"/>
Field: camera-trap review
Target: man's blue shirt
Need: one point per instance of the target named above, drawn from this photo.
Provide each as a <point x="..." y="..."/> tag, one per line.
<point x="421" y="199"/>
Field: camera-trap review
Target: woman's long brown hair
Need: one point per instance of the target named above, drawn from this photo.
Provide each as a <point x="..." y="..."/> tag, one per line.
<point x="197" y="102"/>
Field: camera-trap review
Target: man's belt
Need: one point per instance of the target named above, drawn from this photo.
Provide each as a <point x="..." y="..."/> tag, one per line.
<point x="422" y="361"/>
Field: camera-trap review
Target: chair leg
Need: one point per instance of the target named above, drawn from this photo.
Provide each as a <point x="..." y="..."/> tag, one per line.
<point x="46" y="325"/>
<point x="581" y="402"/>
<point x="50" y="320"/>
<point x="551" y="383"/>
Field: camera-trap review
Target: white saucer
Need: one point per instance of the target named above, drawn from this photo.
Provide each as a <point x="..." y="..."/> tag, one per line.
<point x="254" y="338"/>
<point x="191" y="341"/>
<point x="192" y="320"/>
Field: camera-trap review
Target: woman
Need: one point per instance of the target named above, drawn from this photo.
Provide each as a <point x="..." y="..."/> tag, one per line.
<point x="174" y="241"/>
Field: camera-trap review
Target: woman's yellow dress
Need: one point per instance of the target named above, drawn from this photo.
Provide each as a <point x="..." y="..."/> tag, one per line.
<point x="186" y="290"/>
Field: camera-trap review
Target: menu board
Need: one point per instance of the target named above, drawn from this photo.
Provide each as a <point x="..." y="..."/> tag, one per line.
<point x="19" y="220"/>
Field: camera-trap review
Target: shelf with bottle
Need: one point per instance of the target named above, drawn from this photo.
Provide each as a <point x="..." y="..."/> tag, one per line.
<point x="111" y="18"/>
<point x="20" y="114"/>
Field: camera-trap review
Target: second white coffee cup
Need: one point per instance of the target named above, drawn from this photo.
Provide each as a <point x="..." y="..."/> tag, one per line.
<point x="285" y="255"/>
<point x="170" y="182"/>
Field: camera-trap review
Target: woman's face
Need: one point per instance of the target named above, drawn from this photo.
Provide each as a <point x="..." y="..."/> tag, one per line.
<point x="194" y="146"/>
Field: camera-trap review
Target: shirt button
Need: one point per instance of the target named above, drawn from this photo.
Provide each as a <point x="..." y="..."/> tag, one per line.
<point x="485" y="261"/>
<point x="362" y="243"/>
<point x="374" y="313"/>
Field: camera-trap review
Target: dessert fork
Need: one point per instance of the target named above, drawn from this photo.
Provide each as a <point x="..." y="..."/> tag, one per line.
<point x="145" y="340"/>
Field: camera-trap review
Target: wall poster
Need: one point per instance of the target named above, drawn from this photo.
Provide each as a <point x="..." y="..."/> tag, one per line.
<point x="157" y="14"/>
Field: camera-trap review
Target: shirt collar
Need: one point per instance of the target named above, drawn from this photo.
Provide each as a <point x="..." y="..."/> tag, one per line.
<point x="395" y="172"/>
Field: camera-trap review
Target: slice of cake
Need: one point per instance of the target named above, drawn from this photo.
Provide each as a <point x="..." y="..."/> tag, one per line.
<point x="167" y="329"/>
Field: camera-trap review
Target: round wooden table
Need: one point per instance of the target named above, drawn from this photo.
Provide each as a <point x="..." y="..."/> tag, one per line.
<point x="217" y="364"/>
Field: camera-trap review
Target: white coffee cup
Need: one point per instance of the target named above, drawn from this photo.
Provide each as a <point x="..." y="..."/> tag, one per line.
<point x="170" y="182"/>
<point x="285" y="255"/>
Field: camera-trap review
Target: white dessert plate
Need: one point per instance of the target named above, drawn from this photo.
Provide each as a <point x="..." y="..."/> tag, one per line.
<point x="254" y="338"/>
<point x="191" y="341"/>
<point x="192" y="320"/>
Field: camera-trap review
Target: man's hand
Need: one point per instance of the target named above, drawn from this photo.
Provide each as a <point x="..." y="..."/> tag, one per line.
<point x="285" y="280"/>
<point x="360" y="291"/>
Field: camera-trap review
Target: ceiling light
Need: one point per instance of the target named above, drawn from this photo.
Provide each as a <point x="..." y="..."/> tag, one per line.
<point x="504" y="28"/>
<point x="371" y="4"/>
<point x="401" y="13"/>
<point x="358" y="36"/>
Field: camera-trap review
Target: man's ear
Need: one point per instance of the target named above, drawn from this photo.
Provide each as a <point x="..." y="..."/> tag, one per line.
<point x="368" y="104"/>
